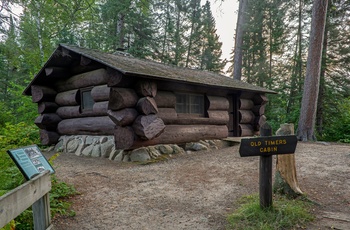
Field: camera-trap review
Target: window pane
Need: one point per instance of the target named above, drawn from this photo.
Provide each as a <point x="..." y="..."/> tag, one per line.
<point x="190" y="103"/>
<point x="87" y="101"/>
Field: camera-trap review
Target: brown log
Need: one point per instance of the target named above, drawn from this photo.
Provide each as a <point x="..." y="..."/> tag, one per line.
<point x="92" y="78"/>
<point x="218" y="117"/>
<point x="57" y="72"/>
<point x="168" y="115"/>
<point x="259" y="109"/>
<point x="116" y="78"/>
<point x="48" y="137"/>
<point x="246" y="117"/>
<point x="148" y="127"/>
<point x="100" y="93"/>
<point x="124" y="137"/>
<point x="179" y="134"/>
<point x="42" y="93"/>
<point x="259" y="121"/>
<point x="123" y="117"/>
<point x="218" y="103"/>
<point x="86" y="126"/>
<point x="147" y="105"/>
<point x="47" y="107"/>
<point x="47" y="121"/>
<point x="99" y="109"/>
<point x="286" y="181"/>
<point x="146" y="88"/>
<point x="246" y="104"/>
<point x="121" y="98"/>
<point x="260" y="99"/>
<point x="165" y="99"/>
<point x="66" y="98"/>
<point x="245" y="130"/>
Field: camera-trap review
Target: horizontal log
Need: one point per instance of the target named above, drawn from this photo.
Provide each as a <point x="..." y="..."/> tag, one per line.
<point x="66" y="98"/>
<point x="99" y="109"/>
<point x="123" y="117"/>
<point x="124" y="137"/>
<point x="218" y="103"/>
<point x="246" y="104"/>
<point x="47" y="121"/>
<point x="47" y="107"/>
<point x="42" y="93"/>
<point x="170" y="117"/>
<point x="121" y="98"/>
<point x="260" y="99"/>
<point x="246" y="117"/>
<point x="92" y="78"/>
<point x="48" y="137"/>
<point x="165" y="99"/>
<point x="146" y="88"/>
<point x="100" y="93"/>
<point x="86" y="126"/>
<point x="259" y="109"/>
<point x="245" y="130"/>
<point x="117" y="79"/>
<point x="148" y="127"/>
<point x="147" y="105"/>
<point x="179" y="134"/>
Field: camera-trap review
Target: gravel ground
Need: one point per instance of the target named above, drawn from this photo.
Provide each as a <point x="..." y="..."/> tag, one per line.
<point x="196" y="190"/>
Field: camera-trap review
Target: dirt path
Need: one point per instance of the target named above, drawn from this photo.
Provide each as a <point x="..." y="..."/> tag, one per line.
<point x="197" y="190"/>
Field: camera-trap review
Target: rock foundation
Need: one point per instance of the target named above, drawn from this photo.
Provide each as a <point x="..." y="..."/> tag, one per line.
<point x="104" y="146"/>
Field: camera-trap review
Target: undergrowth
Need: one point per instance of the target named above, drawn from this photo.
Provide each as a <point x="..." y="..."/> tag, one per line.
<point x="284" y="214"/>
<point x="19" y="135"/>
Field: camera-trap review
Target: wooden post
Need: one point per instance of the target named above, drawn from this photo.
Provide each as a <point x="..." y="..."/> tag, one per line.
<point x="41" y="213"/>
<point x="265" y="174"/>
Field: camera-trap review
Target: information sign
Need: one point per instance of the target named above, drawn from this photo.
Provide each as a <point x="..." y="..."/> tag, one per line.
<point x="30" y="161"/>
<point x="267" y="146"/>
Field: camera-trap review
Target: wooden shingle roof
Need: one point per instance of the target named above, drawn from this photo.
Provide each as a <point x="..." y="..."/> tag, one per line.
<point x="131" y="66"/>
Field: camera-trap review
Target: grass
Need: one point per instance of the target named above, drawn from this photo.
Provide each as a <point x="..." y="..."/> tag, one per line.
<point x="284" y="214"/>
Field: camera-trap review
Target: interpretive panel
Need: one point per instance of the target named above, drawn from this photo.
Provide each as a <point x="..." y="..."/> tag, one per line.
<point x="30" y="161"/>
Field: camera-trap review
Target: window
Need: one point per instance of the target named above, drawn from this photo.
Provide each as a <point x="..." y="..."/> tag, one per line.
<point x="87" y="102"/>
<point x="190" y="103"/>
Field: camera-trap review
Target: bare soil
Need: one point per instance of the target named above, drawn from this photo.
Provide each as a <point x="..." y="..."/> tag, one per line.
<point x="196" y="190"/>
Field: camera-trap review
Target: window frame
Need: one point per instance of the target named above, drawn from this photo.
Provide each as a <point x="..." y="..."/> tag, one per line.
<point x="86" y="107"/>
<point x="188" y="103"/>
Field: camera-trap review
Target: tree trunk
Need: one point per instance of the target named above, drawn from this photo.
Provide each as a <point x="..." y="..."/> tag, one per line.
<point x="311" y="85"/>
<point x="286" y="176"/>
<point x="238" y="56"/>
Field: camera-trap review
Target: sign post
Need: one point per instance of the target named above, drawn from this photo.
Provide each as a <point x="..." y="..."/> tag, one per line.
<point x="265" y="146"/>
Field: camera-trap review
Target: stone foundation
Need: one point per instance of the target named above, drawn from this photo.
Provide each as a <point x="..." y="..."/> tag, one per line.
<point x="103" y="146"/>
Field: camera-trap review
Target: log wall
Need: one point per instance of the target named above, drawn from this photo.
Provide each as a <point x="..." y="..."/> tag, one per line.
<point x="251" y="113"/>
<point x="135" y="111"/>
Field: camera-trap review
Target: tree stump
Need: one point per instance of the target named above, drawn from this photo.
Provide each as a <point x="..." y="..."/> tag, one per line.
<point x="286" y="176"/>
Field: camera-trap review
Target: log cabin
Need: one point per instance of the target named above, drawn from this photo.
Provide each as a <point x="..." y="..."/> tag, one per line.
<point x="140" y="102"/>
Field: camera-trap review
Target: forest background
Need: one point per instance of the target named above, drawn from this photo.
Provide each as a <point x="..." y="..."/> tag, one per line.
<point x="182" y="33"/>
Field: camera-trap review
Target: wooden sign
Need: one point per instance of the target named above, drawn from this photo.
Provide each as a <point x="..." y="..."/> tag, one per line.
<point x="267" y="146"/>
